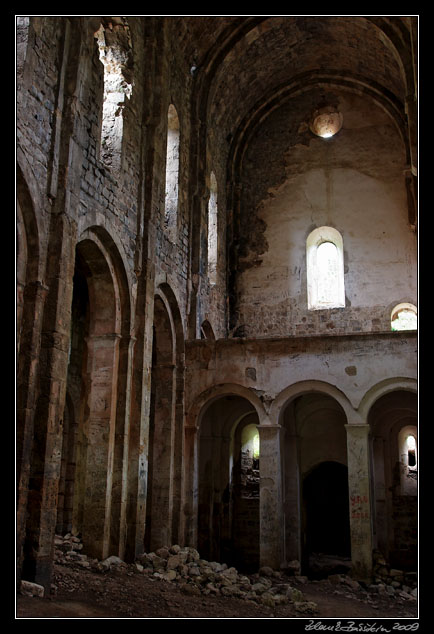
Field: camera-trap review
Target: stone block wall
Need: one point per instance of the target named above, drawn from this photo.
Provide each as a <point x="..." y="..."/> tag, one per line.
<point x="353" y="182"/>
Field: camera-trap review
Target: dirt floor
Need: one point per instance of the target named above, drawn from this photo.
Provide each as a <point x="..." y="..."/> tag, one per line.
<point x="123" y="593"/>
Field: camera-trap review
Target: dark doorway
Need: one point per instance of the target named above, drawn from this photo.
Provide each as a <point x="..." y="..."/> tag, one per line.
<point x="326" y="517"/>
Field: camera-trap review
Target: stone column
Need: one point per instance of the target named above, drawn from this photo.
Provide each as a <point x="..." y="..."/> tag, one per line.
<point x="292" y="498"/>
<point x="103" y="355"/>
<point x="162" y="456"/>
<point x="270" y="496"/>
<point x="360" y="501"/>
<point x="190" y="486"/>
<point x="27" y="376"/>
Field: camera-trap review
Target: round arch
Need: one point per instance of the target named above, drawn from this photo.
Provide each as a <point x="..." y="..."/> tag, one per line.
<point x="228" y="517"/>
<point x="28" y="227"/>
<point x="382" y="388"/>
<point x="207" y="397"/>
<point x="304" y="387"/>
<point x="167" y="295"/>
<point x="166" y="417"/>
<point x="392" y="417"/>
<point x="111" y="247"/>
<point x="98" y="375"/>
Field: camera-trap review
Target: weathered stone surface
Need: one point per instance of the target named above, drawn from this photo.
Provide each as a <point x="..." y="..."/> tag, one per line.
<point x="31" y="589"/>
<point x="306" y="607"/>
<point x="98" y="254"/>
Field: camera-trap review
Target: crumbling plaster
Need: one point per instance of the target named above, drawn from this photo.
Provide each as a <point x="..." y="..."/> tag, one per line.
<point x="353" y="182"/>
<point x="286" y="368"/>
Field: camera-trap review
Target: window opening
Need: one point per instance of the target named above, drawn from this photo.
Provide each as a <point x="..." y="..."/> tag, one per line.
<point x="411" y="451"/>
<point x="172" y="171"/>
<point x="325" y="269"/>
<point x="250" y="461"/>
<point x="404" y="317"/>
<point x="212" y="230"/>
<point x="407" y="442"/>
<point x="328" y="271"/>
<point x="115" y="50"/>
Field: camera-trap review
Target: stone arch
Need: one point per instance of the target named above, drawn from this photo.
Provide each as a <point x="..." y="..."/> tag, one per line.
<point x="227" y="522"/>
<point x="304" y="387"/>
<point x="28" y="250"/>
<point x="206" y="330"/>
<point x="110" y="244"/>
<point x="165" y="471"/>
<point x="202" y="401"/>
<point x="97" y="382"/>
<point x="193" y="423"/>
<point x="382" y="388"/>
<point x="30" y="296"/>
<point x="392" y="419"/>
<point x="245" y="492"/>
<point x="314" y="415"/>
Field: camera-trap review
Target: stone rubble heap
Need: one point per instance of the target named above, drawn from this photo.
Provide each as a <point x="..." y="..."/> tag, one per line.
<point x="391" y="581"/>
<point x="194" y="576"/>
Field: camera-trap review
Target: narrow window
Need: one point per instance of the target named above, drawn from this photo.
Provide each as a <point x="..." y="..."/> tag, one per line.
<point x="115" y="53"/>
<point x="325" y="269"/>
<point x="172" y="172"/>
<point x="411" y="451"/>
<point x="212" y="231"/>
<point x="404" y="317"/>
<point x="407" y="443"/>
<point x="250" y="461"/>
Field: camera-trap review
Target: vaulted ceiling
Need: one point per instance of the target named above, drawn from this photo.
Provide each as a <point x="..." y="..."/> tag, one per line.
<point x="244" y="62"/>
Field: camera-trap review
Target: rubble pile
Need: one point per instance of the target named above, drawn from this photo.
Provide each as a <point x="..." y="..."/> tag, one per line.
<point x="198" y="576"/>
<point x="193" y="575"/>
<point x="392" y="581"/>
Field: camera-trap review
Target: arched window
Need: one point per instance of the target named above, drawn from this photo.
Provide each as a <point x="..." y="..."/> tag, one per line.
<point x="115" y="53"/>
<point x="250" y="442"/>
<point x="404" y="317"/>
<point x="172" y="171"/>
<point x="411" y="452"/>
<point x="325" y="269"/>
<point x="407" y="442"/>
<point x="212" y="230"/>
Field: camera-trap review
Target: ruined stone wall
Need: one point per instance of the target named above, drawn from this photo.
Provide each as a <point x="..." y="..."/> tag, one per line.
<point x="353" y="364"/>
<point x="72" y="194"/>
<point x="293" y="182"/>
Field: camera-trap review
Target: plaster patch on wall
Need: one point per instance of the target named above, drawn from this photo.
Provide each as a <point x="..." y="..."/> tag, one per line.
<point x="251" y="373"/>
<point x="351" y="370"/>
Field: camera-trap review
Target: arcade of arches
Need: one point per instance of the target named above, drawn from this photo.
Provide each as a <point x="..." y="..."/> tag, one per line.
<point x="217" y="288"/>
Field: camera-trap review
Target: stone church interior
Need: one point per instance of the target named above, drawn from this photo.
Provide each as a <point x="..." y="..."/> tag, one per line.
<point x="216" y="269"/>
